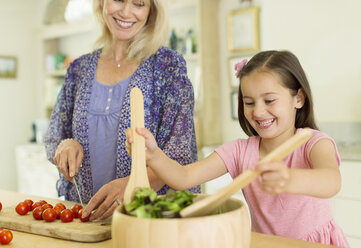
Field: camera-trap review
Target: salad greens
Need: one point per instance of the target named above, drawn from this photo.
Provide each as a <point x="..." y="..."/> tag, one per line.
<point x="147" y="204"/>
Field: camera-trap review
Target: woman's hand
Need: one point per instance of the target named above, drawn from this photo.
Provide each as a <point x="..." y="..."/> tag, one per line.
<point x="104" y="202"/>
<point x="68" y="158"/>
<point x="275" y="177"/>
<point x="150" y="143"/>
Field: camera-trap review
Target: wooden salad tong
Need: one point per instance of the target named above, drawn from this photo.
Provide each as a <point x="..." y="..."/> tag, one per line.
<point x="209" y="203"/>
<point x="138" y="176"/>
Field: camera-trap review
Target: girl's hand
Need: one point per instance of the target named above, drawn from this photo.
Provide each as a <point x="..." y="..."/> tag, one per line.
<point x="68" y="158"/>
<point x="150" y="143"/>
<point x="274" y="177"/>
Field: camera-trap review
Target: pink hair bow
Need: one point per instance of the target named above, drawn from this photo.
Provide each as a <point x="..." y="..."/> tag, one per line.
<point x="239" y="66"/>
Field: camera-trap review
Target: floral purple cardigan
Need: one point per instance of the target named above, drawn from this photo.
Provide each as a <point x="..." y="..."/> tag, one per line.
<point x="168" y="110"/>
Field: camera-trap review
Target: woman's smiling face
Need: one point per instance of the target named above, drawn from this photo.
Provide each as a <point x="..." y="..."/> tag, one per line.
<point x="125" y="18"/>
<point x="269" y="106"/>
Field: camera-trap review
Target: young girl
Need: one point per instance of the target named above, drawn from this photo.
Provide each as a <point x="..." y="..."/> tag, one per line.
<point x="291" y="198"/>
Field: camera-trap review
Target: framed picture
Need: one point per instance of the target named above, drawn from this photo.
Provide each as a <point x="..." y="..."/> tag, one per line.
<point x="234" y="81"/>
<point x="8" y="66"/>
<point x="243" y="30"/>
<point x="234" y="105"/>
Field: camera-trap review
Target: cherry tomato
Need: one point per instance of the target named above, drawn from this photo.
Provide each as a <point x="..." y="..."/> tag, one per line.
<point x="1" y="206"/>
<point x="66" y="215"/>
<point x="75" y="208"/>
<point x="38" y="213"/>
<point x="58" y="210"/>
<point x="60" y="205"/>
<point x="5" y="237"/>
<point x="80" y="213"/>
<point x="22" y="208"/>
<point x="49" y="215"/>
<point x="30" y="203"/>
<point x="1" y="229"/>
<point x="43" y="202"/>
<point x="47" y="205"/>
<point x="35" y="205"/>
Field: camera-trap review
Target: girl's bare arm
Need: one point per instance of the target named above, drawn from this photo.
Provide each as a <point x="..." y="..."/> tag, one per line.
<point x="324" y="180"/>
<point x="171" y="172"/>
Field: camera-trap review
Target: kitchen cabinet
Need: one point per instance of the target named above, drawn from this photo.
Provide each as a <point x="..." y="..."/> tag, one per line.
<point x="346" y="205"/>
<point x="59" y="44"/>
<point x="200" y="16"/>
<point x="35" y="174"/>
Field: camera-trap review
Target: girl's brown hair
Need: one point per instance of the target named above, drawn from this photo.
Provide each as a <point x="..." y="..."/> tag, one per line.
<point x="286" y="65"/>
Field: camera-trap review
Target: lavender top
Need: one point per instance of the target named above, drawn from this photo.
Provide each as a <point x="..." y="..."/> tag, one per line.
<point x="103" y="118"/>
<point x="168" y="108"/>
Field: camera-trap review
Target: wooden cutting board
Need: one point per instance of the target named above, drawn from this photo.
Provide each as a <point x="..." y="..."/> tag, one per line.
<point x="76" y="230"/>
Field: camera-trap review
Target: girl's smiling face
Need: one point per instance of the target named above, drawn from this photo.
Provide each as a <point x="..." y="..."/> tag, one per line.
<point x="125" y="18"/>
<point x="269" y="107"/>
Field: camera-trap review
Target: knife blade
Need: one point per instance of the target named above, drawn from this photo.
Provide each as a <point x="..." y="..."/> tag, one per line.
<point x="76" y="186"/>
<point x="77" y="190"/>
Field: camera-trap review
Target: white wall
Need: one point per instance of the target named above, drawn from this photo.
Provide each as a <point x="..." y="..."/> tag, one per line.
<point x="18" y="20"/>
<point x="325" y="35"/>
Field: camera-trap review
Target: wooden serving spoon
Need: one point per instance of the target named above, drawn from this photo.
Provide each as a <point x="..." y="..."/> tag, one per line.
<point x="138" y="176"/>
<point x="208" y="204"/>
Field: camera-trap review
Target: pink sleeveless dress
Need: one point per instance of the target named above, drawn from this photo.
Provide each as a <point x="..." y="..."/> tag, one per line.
<point x="288" y="215"/>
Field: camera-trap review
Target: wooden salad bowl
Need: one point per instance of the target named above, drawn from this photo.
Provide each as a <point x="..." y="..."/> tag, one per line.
<point x="231" y="228"/>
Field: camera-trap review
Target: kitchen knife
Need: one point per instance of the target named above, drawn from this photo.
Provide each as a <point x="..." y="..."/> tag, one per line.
<point x="77" y="189"/>
<point x="76" y="185"/>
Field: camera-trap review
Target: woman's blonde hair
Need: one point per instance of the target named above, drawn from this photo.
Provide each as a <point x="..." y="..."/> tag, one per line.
<point x="147" y="41"/>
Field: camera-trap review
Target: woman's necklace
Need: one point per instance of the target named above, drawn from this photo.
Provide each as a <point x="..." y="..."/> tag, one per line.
<point x="117" y="62"/>
<point x="109" y="60"/>
<point x="110" y="57"/>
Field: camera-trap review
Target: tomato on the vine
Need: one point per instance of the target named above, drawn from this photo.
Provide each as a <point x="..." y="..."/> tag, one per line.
<point x="75" y="208"/>
<point x="80" y="213"/>
<point x="5" y="237"/>
<point x="38" y="213"/>
<point x="22" y="208"/>
<point x="66" y="215"/>
<point x="49" y="215"/>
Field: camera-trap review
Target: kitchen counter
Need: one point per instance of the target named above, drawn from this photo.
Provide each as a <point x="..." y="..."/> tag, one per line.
<point x="352" y="153"/>
<point x="21" y="239"/>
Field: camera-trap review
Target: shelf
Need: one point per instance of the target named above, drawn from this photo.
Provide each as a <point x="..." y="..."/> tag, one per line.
<point x="60" y="38"/>
<point x="49" y="111"/>
<point x="176" y="4"/>
<point x="58" y="73"/>
<point x="202" y="67"/>
<point x="191" y="57"/>
<point x="66" y="29"/>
